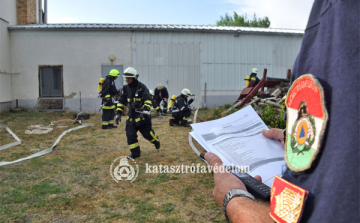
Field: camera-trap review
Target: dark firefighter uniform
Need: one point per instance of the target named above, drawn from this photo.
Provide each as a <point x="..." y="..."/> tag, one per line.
<point x="181" y="111"/>
<point x="253" y="77"/>
<point x="136" y="96"/>
<point x="161" y="94"/>
<point x="107" y="93"/>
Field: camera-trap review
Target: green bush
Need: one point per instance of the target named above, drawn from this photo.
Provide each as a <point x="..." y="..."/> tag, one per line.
<point x="272" y="118"/>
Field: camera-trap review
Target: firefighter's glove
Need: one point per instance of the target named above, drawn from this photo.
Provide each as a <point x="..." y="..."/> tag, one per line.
<point x="146" y="113"/>
<point x="191" y="101"/>
<point x="117" y="119"/>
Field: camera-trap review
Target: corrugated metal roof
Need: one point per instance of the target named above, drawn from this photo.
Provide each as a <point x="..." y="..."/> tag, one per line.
<point x="156" y="27"/>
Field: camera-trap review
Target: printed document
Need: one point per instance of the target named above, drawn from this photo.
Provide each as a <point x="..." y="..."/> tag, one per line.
<point x="238" y="141"/>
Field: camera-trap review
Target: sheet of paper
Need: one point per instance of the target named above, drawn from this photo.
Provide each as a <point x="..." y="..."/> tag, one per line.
<point x="238" y="141"/>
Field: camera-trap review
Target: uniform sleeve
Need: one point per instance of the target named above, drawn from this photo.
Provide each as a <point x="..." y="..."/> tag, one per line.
<point x="181" y="104"/>
<point x="147" y="98"/>
<point x="155" y="105"/>
<point x="156" y="93"/>
<point x="105" y="93"/>
<point x="122" y="102"/>
<point x="165" y="93"/>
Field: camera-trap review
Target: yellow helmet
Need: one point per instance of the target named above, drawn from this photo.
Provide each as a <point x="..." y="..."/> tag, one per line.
<point x="159" y="87"/>
<point x="114" y="73"/>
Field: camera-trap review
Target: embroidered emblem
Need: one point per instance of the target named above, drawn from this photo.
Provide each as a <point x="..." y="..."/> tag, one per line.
<point x="287" y="201"/>
<point x="306" y="122"/>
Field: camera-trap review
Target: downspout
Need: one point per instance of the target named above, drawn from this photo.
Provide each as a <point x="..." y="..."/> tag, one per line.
<point x="40" y="12"/>
<point x="45" y="12"/>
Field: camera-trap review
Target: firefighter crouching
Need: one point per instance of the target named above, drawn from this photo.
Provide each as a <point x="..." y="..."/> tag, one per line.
<point x="181" y="110"/>
<point x="161" y="96"/>
<point x="136" y="96"/>
<point x="107" y="93"/>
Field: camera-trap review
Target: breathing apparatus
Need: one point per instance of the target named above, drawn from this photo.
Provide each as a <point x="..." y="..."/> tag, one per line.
<point x="100" y="86"/>
<point x="171" y="103"/>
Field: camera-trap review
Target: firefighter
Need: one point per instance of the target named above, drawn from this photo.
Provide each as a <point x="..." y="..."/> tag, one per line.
<point x="107" y="93"/>
<point x="161" y="97"/>
<point x="181" y="110"/>
<point x="253" y="76"/>
<point x="136" y="96"/>
<point x="154" y="104"/>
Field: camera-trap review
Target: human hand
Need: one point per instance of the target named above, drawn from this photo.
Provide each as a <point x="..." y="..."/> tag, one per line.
<point x="224" y="180"/>
<point x="274" y="134"/>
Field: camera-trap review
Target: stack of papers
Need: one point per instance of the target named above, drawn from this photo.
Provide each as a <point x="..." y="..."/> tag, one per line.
<point x="238" y="141"/>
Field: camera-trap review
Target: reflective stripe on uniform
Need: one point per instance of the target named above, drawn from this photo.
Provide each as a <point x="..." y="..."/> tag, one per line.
<point x="119" y="107"/>
<point x="155" y="137"/>
<point x="148" y="102"/>
<point x="157" y="108"/>
<point x="176" y="110"/>
<point x="111" y="122"/>
<point x="133" y="146"/>
<point x="253" y="79"/>
<point x="105" y="123"/>
<point x="108" y="107"/>
<point x="186" y="118"/>
<point x="107" y="96"/>
<point x="137" y="120"/>
<point x="147" y="105"/>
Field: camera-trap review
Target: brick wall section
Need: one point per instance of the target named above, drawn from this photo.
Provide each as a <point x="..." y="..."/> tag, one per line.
<point x="26" y="12"/>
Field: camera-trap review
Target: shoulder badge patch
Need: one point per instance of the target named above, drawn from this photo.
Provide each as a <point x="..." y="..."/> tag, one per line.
<point x="287" y="201"/>
<point x="306" y="122"/>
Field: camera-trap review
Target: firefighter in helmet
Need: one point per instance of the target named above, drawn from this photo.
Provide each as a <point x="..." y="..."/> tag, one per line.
<point x="107" y="93"/>
<point x="253" y="76"/>
<point x="161" y="96"/>
<point x="136" y="96"/>
<point x="181" y="110"/>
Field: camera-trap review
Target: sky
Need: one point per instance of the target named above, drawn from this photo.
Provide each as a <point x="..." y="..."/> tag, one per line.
<point x="288" y="14"/>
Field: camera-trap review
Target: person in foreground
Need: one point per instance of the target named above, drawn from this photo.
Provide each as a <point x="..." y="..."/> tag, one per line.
<point x="321" y="182"/>
<point x="137" y="97"/>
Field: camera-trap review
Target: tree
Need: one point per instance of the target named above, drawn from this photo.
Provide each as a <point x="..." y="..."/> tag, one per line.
<point x="243" y="21"/>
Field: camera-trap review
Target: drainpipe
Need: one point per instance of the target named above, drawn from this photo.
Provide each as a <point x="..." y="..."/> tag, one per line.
<point x="45" y="12"/>
<point x="40" y="12"/>
<point x="205" y="96"/>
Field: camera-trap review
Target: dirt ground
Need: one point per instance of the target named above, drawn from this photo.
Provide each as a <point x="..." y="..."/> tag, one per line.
<point x="74" y="184"/>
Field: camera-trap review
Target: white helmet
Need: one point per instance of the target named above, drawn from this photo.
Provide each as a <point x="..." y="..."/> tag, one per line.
<point x="159" y="87"/>
<point x="151" y="92"/>
<point x="186" y="92"/>
<point x="254" y="70"/>
<point x="130" y="72"/>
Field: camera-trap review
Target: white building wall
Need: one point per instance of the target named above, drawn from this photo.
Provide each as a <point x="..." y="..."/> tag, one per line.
<point x="170" y="58"/>
<point x="226" y="60"/>
<point x="221" y="60"/>
<point x="7" y="18"/>
<point x="81" y="53"/>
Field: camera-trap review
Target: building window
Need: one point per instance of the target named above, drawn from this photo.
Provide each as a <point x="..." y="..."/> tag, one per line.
<point x="51" y="81"/>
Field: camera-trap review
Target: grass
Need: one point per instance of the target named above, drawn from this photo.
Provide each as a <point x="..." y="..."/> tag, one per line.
<point x="73" y="183"/>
